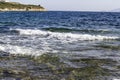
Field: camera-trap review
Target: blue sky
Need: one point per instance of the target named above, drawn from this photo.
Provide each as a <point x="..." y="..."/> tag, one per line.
<point x="75" y="5"/>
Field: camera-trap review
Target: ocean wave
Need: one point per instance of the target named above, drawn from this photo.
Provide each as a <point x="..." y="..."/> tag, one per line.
<point x="58" y="35"/>
<point x="20" y="50"/>
<point x="113" y="47"/>
<point x="6" y="30"/>
<point x="65" y="29"/>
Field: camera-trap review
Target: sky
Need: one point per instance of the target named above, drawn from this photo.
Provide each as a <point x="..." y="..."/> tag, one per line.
<point x="75" y="5"/>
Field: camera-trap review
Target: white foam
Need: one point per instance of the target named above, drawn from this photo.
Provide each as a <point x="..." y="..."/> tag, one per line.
<point x="20" y="50"/>
<point x="32" y="32"/>
<point x="116" y="79"/>
<point x="64" y="35"/>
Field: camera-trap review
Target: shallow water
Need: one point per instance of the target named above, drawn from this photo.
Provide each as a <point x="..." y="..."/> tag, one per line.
<point x="72" y="36"/>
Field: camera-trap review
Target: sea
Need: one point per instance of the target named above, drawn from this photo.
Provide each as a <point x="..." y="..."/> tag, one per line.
<point x="68" y="34"/>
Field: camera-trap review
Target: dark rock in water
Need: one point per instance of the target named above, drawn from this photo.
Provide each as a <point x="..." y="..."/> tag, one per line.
<point x="4" y="54"/>
<point x="2" y="42"/>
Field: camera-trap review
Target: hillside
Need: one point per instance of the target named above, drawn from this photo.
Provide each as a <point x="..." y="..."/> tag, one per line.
<point x="13" y="6"/>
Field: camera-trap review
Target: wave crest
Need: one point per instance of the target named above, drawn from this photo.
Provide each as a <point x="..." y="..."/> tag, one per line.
<point x="58" y="35"/>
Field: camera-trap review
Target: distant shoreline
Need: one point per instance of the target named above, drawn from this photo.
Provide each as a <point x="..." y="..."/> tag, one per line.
<point x="13" y="6"/>
<point x="22" y="10"/>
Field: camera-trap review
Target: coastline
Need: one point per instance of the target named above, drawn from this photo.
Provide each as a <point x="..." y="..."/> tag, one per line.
<point x="2" y="10"/>
<point x="14" y="6"/>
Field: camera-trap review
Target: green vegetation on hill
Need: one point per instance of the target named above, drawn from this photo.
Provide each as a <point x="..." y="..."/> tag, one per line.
<point x="13" y="5"/>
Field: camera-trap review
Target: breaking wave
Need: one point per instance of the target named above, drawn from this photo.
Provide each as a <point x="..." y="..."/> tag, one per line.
<point x="58" y="35"/>
<point x="66" y="29"/>
<point x="20" y="50"/>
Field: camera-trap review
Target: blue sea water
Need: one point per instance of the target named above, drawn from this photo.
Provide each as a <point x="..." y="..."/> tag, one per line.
<point x="72" y="35"/>
<point x="64" y="32"/>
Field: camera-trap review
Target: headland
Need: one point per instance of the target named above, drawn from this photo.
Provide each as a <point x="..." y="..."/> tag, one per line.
<point x="15" y="6"/>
